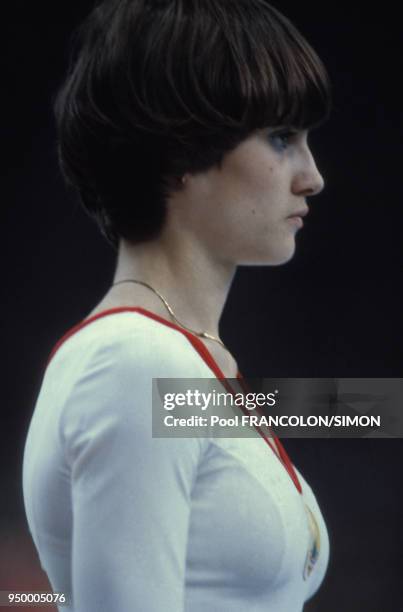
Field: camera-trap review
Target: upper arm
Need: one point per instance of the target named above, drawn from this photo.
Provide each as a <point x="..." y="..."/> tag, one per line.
<point x="130" y="492"/>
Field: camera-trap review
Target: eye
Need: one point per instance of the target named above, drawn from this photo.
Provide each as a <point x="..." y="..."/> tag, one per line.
<point x="282" y="139"/>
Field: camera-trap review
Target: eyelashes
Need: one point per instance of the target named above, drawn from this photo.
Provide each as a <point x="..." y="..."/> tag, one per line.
<point x="282" y="139"/>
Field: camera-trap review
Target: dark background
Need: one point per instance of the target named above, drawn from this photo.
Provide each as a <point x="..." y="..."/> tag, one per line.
<point x="334" y="311"/>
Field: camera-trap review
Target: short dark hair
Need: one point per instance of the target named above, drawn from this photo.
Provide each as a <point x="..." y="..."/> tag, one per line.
<point x="160" y="88"/>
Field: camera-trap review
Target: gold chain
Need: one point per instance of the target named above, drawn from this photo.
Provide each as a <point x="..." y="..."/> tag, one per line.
<point x="313" y="551"/>
<point x="201" y="334"/>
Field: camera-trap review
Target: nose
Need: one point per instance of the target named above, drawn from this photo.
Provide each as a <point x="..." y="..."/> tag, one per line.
<point x="308" y="180"/>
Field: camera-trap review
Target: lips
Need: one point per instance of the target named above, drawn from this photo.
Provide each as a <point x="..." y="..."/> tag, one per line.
<point x="299" y="213"/>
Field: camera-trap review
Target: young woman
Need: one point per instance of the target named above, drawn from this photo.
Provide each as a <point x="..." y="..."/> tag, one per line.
<point x="183" y="125"/>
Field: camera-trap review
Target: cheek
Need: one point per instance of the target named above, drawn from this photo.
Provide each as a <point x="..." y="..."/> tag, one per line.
<point x="253" y="175"/>
<point x="258" y="185"/>
<point x="250" y="191"/>
<point x="244" y="197"/>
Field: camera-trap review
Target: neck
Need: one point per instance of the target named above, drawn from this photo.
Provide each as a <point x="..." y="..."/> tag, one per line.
<point x="195" y="286"/>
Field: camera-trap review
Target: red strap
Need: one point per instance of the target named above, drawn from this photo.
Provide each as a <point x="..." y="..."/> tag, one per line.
<point x="206" y="356"/>
<point x="283" y="453"/>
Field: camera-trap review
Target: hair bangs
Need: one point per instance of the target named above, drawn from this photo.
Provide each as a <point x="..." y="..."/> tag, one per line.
<point x="270" y="74"/>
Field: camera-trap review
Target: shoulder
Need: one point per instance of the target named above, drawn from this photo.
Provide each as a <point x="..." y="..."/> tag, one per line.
<point x="107" y="369"/>
<point x="128" y="341"/>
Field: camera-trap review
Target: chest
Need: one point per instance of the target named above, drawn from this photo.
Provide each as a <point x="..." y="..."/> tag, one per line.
<point x="247" y="507"/>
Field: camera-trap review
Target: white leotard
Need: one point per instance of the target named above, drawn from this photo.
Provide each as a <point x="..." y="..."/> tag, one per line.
<point x="125" y="522"/>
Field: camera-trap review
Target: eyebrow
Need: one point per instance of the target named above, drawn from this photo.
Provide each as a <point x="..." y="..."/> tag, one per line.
<point x="291" y="128"/>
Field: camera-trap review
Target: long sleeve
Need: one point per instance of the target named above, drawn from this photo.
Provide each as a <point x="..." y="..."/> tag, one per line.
<point x="124" y="522"/>
<point x="130" y="492"/>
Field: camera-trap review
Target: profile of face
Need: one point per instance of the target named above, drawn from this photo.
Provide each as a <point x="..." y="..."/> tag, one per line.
<point x="242" y="211"/>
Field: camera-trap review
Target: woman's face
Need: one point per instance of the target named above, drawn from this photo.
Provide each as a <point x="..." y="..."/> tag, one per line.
<point x="242" y="211"/>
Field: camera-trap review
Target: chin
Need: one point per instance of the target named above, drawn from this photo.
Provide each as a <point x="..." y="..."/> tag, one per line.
<point x="274" y="257"/>
<point x="285" y="259"/>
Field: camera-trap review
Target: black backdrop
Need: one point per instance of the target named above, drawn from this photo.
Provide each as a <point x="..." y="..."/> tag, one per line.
<point x="334" y="311"/>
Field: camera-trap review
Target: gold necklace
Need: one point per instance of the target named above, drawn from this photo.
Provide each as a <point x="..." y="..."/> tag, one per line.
<point x="313" y="551"/>
<point x="201" y="334"/>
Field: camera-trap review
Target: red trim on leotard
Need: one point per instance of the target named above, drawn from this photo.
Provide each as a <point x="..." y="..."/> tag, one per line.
<point x="203" y="351"/>
<point x="194" y="340"/>
<point x="282" y="452"/>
